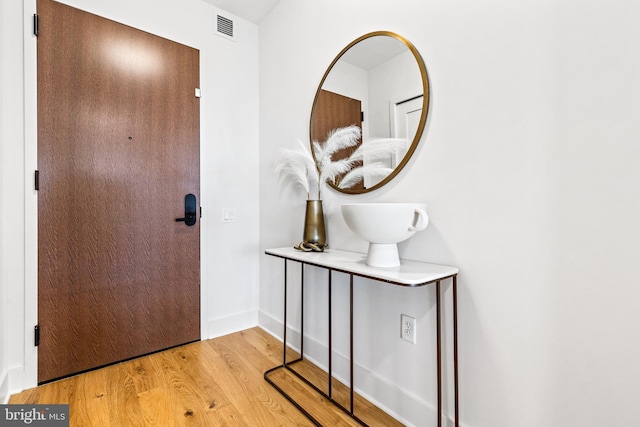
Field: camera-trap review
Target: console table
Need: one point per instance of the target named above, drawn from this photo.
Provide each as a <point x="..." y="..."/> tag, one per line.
<point x="409" y="274"/>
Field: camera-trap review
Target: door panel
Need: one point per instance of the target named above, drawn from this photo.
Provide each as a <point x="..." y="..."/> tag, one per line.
<point x="333" y="111"/>
<point x="405" y="119"/>
<point x="118" y="150"/>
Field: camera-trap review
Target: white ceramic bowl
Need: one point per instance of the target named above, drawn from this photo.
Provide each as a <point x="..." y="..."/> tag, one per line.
<point x="384" y="225"/>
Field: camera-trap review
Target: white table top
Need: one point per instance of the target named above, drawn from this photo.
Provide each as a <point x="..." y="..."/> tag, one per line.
<point x="409" y="273"/>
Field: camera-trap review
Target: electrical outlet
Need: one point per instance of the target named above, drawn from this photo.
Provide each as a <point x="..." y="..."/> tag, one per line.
<point x="408" y="328"/>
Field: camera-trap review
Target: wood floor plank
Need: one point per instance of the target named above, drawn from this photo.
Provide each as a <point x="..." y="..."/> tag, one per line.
<point x="248" y="388"/>
<point x="341" y="393"/>
<point x="215" y="382"/>
<point x="198" y="395"/>
<point x="89" y="400"/>
<point x="306" y="396"/>
<point x="127" y="405"/>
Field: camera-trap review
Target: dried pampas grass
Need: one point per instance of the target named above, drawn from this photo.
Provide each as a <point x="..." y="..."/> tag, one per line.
<point x="299" y="168"/>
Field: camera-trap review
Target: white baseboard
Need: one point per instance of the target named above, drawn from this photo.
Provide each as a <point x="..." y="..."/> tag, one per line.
<point x="229" y="324"/>
<point x="407" y="408"/>
<point x="11" y="382"/>
<point x="400" y="404"/>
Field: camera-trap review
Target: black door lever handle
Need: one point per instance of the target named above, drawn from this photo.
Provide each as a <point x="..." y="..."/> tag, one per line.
<point x="189" y="219"/>
<point x="189" y="210"/>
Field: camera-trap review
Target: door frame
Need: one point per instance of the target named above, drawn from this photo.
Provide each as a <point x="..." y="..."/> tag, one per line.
<point x="30" y="374"/>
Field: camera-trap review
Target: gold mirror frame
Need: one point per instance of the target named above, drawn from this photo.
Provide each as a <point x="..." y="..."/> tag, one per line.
<point x="423" y="117"/>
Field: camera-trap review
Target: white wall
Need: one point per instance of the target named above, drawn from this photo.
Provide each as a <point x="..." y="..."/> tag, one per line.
<point x="529" y="170"/>
<point x="11" y="196"/>
<point x="3" y="281"/>
<point x="395" y="80"/>
<point x="229" y="163"/>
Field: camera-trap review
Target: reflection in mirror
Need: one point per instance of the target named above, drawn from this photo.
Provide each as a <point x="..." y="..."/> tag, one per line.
<point x="378" y="83"/>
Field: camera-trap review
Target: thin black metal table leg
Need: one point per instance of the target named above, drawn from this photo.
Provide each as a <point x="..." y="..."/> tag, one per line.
<point x="455" y="348"/>
<point x="284" y="350"/>
<point x="284" y="356"/>
<point x="439" y="351"/>
<point x="351" y="341"/>
<point x="330" y="374"/>
<point x="302" y="311"/>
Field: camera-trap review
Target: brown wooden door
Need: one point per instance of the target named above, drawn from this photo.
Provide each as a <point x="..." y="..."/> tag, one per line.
<point x="118" y="150"/>
<point x="333" y="111"/>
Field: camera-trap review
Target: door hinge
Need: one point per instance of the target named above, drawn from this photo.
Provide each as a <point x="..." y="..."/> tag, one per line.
<point x="36" y="335"/>
<point x="362" y="116"/>
<point x="198" y="93"/>
<point x="36" y="179"/>
<point x="200" y="211"/>
<point x="35" y="24"/>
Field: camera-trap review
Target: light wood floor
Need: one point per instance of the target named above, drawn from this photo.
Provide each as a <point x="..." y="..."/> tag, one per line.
<point x="216" y="382"/>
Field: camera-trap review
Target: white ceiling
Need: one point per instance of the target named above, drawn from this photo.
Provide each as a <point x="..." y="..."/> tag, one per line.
<point x="368" y="54"/>
<point x="251" y="10"/>
<point x="373" y="51"/>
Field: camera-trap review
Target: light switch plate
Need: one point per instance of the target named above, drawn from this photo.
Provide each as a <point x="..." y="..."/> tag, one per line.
<point x="228" y="215"/>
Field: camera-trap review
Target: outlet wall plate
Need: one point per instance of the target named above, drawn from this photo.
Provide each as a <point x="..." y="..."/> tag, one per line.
<point x="408" y="328"/>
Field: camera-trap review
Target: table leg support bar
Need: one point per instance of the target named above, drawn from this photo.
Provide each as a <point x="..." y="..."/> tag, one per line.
<point x="286" y="395"/>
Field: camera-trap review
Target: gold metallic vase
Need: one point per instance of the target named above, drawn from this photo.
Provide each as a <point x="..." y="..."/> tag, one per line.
<point x="314" y="237"/>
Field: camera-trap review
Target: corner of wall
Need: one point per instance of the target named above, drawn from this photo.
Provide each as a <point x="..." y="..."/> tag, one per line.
<point x="8" y="381"/>
<point x="229" y="324"/>
<point x="4" y="388"/>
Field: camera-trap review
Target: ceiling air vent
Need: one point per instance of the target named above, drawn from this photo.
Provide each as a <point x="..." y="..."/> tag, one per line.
<point x="224" y="27"/>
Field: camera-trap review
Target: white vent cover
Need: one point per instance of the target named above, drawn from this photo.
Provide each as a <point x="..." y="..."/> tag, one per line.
<point x="224" y="27"/>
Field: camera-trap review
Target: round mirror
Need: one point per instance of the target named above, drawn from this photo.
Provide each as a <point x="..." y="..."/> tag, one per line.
<point x="379" y="84"/>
